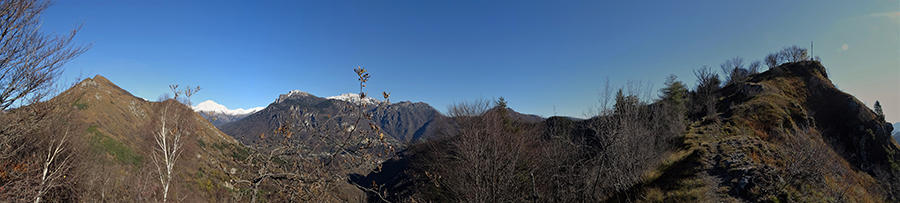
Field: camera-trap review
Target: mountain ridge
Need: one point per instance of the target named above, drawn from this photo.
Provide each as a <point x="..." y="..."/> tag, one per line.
<point x="213" y="107"/>
<point x="120" y="143"/>
<point x="795" y="114"/>
<point x="218" y="114"/>
<point x="896" y="132"/>
<point x="403" y="121"/>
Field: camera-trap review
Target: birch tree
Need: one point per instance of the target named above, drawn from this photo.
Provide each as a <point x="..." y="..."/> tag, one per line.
<point x="168" y="143"/>
<point x="53" y="165"/>
<point x="171" y="128"/>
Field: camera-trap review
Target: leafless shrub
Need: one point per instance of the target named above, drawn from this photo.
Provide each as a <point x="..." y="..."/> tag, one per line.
<point x="60" y="157"/>
<point x="754" y="67"/>
<point x="163" y="97"/>
<point x="788" y="55"/>
<point x="734" y="71"/>
<point x="117" y="183"/>
<point x="615" y="162"/>
<point x="36" y="148"/>
<point x="484" y="157"/>
<point x="562" y="169"/>
<point x="30" y="61"/>
<point x="772" y="60"/>
<point x="794" y="54"/>
<point x="704" y="97"/>
<point x="805" y="158"/>
<point x="40" y="152"/>
<point x="890" y="181"/>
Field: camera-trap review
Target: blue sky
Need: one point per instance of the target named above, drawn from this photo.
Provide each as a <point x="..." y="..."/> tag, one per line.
<point x="539" y="55"/>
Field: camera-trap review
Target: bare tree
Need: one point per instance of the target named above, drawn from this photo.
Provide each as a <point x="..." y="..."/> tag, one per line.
<point x="484" y="156"/>
<point x="38" y="154"/>
<point x="186" y="94"/>
<point x="772" y="60"/>
<point x="168" y="137"/>
<point x="163" y="97"/>
<point x="615" y="165"/>
<point x="55" y="163"/>
<point x="733" y="70"/>
<point x="805" y="160"/>
<point x="794" y="54"/>
<point x="787" y="55"/>
<point x="704" y="98"/>
<point x="754" y="67"/>
<point x="168" y="141"/>
<point x="30" y="61"/>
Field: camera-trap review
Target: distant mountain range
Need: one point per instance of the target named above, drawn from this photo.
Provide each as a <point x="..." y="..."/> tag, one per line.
<point x="404" y="121"/>
<point x="218" y="114"/>
<point x="354" y="98"/>
<point x="896" y="132"/>
<point x="213" y="107"/>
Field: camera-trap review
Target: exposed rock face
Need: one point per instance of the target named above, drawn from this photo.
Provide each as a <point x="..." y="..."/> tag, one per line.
<point x="766" y="115"/>
<point x="219" y="119"/>
<point x="404" y="121"/>
<point x="292" y="94"/>
<point x="849" y="123"/>
<point x="407" y="121"/>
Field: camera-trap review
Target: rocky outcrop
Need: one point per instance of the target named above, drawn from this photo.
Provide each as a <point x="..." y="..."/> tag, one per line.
<point x="403" y="122"/>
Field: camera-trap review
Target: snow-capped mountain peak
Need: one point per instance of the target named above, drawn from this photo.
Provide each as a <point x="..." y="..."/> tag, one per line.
<point x="297" y="93"/>
<point x="213" y="107"/>
<point x="354" y="98"/>
<point x="292" y="94"/>
<point x="350" y="97"/>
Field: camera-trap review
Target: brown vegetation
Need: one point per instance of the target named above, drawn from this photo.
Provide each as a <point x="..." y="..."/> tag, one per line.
<point x="763" y="137"/>
<point x="38" y="140"/>
<point x="485" y="156"/>
<point x="39" y="153"/>
<point x="303" y="162"/>
<point x="703" y="99"/>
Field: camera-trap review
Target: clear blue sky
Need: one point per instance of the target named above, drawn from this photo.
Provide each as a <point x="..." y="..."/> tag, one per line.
<point x="538" y="55"/>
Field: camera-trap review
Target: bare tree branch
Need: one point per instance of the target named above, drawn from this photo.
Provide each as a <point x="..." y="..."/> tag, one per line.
<point x="30" y="62"/>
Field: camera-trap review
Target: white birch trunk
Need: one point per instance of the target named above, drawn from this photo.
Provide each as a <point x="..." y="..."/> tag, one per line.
<point x="48" y="174"/>
<point x="168" y="141"/>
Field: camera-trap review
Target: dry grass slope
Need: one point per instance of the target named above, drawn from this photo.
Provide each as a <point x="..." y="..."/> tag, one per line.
<point x="785" y="135"/>
<point x="120" y="168"/>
